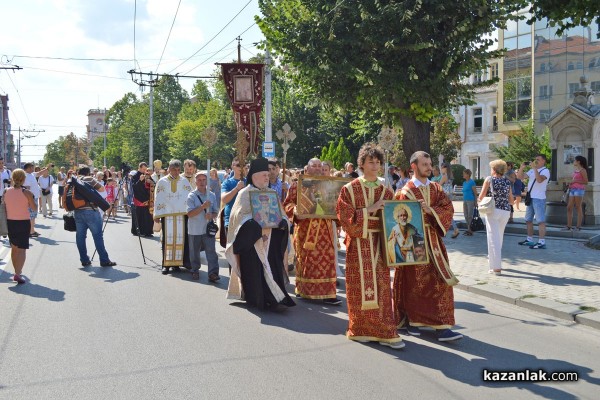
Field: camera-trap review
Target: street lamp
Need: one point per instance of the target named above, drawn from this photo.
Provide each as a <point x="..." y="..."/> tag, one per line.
<point x="387" y="140"/>
<point x="288" y="136"/>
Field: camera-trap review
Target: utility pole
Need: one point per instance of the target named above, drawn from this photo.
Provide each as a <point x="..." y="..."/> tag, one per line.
<point x="36" y="131"/>
<point x="268" y="105"/>
<point x="152" y="81"/>
<point x="239" y="40"/>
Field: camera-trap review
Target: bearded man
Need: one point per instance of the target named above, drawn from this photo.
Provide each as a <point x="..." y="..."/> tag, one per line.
<point x="170" y="208"/>
<point x="423" y="294"/>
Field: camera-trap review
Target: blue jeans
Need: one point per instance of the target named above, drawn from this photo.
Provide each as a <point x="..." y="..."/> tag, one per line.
<point x="198" y="243"/>
<point x="90" y="219"/>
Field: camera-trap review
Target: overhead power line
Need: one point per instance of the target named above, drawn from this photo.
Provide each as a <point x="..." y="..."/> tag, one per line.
<point x="213" y="38"/>
<point x="221" y="49"/>
<point x="169" y="36"/>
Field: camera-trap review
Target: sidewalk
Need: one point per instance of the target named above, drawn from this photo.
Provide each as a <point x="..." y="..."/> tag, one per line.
<point x="562" y="280"/>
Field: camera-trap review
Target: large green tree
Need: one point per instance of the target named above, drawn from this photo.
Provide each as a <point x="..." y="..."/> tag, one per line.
<point x="401" y="59"/>
<point x="67" y="151"/>
<point x="565" y="14"/>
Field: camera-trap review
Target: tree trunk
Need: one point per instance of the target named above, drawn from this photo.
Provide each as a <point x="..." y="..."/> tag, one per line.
<point x="416" y="136"/>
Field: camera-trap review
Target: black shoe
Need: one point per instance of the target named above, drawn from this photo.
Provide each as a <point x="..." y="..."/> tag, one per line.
<point x="86" y="264"/>
<point x="165" y="270"/>
<point x="108" y="264"/>
<point x="176" y="269"/>
<point x="333" y="302"/>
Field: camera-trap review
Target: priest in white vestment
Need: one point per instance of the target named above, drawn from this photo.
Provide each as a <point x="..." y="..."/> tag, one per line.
<point x="170" y="207"/>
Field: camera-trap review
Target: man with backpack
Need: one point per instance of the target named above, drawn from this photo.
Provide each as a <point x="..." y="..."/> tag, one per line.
<point x="87" y="217"/>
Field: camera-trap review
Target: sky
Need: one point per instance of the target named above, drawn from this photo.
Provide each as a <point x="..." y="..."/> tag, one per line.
<point x="48" y="38"/>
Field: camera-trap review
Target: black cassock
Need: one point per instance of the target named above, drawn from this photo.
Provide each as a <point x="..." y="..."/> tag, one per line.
<point x="256" y="290"/>
<point x="142" y="216"/>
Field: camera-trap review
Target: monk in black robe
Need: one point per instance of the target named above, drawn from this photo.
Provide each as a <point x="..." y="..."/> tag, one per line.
<point x="256" y="254"/>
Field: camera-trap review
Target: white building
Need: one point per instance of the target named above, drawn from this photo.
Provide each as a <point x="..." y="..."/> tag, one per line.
<point x="478" y="126"/>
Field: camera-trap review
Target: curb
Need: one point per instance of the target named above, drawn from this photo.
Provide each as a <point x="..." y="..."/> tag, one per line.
<point x="568" y="312"/>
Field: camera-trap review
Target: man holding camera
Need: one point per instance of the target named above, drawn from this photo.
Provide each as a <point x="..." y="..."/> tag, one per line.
<point x="202" y="209"/>
<point x="141" y="218"/>
<point x="538" y="177"/>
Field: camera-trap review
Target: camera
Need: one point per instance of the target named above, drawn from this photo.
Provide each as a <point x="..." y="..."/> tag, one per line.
<point x="125" y="168"/>
<point x="527" y="163"/>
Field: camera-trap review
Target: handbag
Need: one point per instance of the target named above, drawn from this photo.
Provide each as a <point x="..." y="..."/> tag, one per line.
<point x="565" y="196"/>
<point x="3" y="220"/>
<point x="477" y="223"/>
<point x="46" y="192"/>
<point x="69" y="222"/>
<point x="211" y="229"/>
<point x="156" y="227"/>
<point x="487" y="204"/>
<point x="528" y="194"/>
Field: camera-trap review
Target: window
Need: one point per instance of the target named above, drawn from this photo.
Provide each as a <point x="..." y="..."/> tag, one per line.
<point x="543" y="67"/>
<point x="494" y="119"/>
<point x="494" y="70"/>
<point x="596" y="86"/>
<point x="579" y="64"/>
<point x="592" y="63"/>
<point x="571" y="66"/>
<point x="477" y="120"/>
<point x="545" y="91"/>
<point x="480" y="77"/>
<point x="573" y="87"/>
<point x="545" y="115"/>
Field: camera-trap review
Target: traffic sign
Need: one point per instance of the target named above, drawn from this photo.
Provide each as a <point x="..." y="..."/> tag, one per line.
<point x="268" y="149"/>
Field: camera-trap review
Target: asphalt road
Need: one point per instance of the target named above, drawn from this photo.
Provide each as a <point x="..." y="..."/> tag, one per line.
<point x="129" y="332"/>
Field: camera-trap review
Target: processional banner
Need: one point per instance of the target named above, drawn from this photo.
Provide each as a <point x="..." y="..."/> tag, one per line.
<point x="244" y="85"/>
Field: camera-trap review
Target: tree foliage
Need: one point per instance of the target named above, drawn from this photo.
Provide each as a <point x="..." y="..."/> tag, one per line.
<point x="338" y="154"/>
<point x="401" y="59"/>
<point x="565" y="14"/>
<point x="524" y="145"/>
<point x="445" y="140"/>
<point x="67" y="151"/>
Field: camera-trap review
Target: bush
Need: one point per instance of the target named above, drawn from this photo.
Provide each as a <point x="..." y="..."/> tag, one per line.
<point x="457" y="173"/>
<point x="479" y="182"/>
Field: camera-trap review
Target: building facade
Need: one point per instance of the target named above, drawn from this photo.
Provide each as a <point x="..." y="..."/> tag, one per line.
<point x="539" y="77"/>
<point x="96" y="126"/>
<point x="7" y="145"/>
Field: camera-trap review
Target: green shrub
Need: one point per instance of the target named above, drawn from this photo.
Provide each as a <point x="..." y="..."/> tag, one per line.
<point x="457" y="173"/>
<point x="479" y="182"/>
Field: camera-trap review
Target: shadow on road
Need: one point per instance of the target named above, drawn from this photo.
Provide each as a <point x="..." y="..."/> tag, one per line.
<point x="35" y="290"/>
<point x="479" y="309"/>
<point x="489" y="357"/>
<point x="110" y="275"/>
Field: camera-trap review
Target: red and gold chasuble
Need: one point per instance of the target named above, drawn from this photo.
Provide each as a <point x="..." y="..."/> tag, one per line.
<point x="315" y="252"/>
<point x="368" y="292"/>
<point x="423" y="293"/>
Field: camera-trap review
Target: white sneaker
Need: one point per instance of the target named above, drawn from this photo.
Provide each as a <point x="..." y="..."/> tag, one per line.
<point x="394" y="345"/>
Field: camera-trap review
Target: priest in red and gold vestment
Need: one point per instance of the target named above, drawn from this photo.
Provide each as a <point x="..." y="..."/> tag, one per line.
<point x="423" y="294"/>
<point x="315" y="248"/>
<point x="368" y="291"/>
